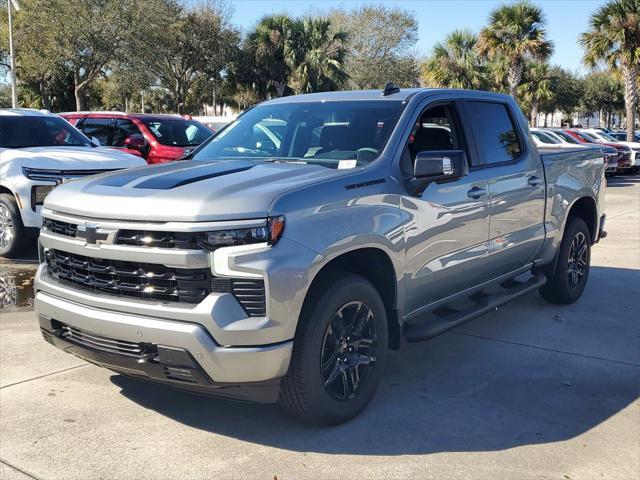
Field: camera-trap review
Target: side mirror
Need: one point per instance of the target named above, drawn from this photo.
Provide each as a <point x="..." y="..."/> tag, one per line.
<point x="95" y="142"/>
<point x="437" y="166"/>
<point x="136" y="142"/>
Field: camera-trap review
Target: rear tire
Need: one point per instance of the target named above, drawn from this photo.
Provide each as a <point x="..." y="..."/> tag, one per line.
<point x="339" y="351"/>
<point x="14" y="237"/>
<point x="566" y="284"/>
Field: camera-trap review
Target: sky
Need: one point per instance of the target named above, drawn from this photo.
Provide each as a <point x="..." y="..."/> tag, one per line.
<point x="566" y="19"/>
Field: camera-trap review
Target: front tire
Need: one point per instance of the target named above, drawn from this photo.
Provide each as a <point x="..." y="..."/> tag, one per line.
<point x="13" y="235"/>
<point x="339" y="351"/>
<point x="566" y="284"/>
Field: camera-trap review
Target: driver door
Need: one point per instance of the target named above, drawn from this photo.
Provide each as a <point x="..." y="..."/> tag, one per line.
<point x="446" y="228"/>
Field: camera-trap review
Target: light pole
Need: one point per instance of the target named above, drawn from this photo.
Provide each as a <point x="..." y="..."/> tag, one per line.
<point x="12" y="54"/>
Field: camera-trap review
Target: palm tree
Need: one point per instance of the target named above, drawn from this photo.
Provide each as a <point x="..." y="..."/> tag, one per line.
<point x="515" y="34"/>
<point x="273" y="44"/>
<point x="319" y="66"/>
<point x="614" y="38"/>
<point x="454" y="63"/>
<point x="535" y="87"/>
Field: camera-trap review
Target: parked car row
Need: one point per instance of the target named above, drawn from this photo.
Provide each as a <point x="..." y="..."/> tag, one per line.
<point x="156" y="138"/>
<point x="40" y="150"/>
<point x="622" y="157"/>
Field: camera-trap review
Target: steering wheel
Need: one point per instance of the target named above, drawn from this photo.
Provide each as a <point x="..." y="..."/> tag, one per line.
<point x="366" y="154"/>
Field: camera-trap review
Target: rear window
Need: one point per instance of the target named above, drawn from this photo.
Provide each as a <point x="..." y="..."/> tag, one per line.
<point x="176" y="132"/>
<point x="39" y="131"/>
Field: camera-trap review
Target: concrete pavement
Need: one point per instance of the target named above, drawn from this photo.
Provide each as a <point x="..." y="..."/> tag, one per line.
<point x="530" y="391"/>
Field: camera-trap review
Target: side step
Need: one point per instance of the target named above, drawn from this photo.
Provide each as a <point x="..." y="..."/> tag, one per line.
<point x="446" y="318"/>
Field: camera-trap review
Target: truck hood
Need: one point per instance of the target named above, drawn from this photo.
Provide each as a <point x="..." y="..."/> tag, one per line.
<point x="191" y="191"/>
<point x="73" y="158"/>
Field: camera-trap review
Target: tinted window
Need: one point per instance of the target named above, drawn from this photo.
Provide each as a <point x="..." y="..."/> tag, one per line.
<point x="177" y="132"/>
<point x="99" y="128"/>
<point x="322" y="133"/>
<point x="22" y="132"/>
<point x="122" y="130"/>
<point x="494" y="131"/>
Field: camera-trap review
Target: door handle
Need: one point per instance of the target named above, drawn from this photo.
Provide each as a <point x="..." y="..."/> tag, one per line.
<point x="476" y="193"/>
<point x="533" y="181"/>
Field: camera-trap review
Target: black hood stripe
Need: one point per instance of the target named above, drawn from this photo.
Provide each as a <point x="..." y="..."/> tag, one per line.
<point x="165" y="177"/>
<point x="179" y="179"/>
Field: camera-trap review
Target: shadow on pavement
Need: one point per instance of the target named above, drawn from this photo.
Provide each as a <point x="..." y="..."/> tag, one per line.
<point x="458" y="392"/>
<point x="623" y="181"/>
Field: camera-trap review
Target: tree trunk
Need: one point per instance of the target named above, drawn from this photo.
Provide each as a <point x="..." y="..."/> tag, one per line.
<point x="630" y="74"/>
<point x="78" y="91"/>
<point x="534" y="113"/>
<point x="280" y="86"/>
<point x="514" y="77"/>
<point x="44" y="95"/>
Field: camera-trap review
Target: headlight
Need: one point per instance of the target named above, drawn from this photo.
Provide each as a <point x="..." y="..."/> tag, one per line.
<point x="38" y="194"/>
<point x="270" y="234"/>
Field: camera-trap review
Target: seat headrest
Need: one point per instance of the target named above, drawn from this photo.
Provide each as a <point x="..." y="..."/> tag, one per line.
<point x="431" y="138"/>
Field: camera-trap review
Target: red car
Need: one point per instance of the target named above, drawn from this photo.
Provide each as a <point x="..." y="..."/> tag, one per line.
<point x="624" y="162"/>
<point x="156" y="138"/>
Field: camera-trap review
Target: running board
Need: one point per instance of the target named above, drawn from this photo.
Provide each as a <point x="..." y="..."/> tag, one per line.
<point x="447" y="318"/>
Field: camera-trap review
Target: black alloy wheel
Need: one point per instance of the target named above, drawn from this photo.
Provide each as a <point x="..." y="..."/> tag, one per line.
<point x="348" y="351"/>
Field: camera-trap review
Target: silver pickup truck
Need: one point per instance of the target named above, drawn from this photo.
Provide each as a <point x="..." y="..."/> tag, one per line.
<point x="309" y="237"/>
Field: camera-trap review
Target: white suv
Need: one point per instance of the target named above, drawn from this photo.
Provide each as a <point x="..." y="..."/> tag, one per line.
<point x="38" y="151"/>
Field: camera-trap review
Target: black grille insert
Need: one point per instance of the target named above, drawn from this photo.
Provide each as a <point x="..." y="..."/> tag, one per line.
<point x="249" y="292"/>
<point x="144" y="238"/>
<point x="116" y="277"/>
<point x="60" y="228"/>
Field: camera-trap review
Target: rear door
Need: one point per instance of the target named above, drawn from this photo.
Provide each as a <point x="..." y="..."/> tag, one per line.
<point x="516" y="185"/>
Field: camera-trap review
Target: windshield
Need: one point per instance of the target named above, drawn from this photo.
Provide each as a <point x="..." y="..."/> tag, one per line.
<point x="588" y="137"/>
<point x="177" y="132"/>
<point x="606" y="136"/>
<point x="39" y="131"/>
<point x="339" y="134"/>
<point x="544" y="138"/>
<point x="566" y="137"/>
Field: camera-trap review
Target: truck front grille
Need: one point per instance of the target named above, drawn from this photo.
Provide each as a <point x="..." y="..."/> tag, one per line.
<point x="59" y="176"/>
<point x="152" y="282"/>
<point x="133" y="279"/>
<point x="138" y="238"/>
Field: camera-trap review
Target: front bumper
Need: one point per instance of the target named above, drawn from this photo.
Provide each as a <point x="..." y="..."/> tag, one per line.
<point x="247" y="373"/>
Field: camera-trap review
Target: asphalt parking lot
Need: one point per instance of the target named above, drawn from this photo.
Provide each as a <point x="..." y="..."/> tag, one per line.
<point x="530" y="391"/>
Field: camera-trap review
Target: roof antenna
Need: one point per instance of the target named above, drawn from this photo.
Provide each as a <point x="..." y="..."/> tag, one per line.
<point x="389" y="89"/>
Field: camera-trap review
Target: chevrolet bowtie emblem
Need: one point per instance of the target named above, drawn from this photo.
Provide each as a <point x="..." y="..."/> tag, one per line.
<point x="92" y="234"/>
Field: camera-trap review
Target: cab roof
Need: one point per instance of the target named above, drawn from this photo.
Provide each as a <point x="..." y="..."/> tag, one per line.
<point x="399" y="94"/>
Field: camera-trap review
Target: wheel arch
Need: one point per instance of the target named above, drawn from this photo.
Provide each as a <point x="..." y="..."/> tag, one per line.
<point x="376" y="266"/>
<point x="585" y="208"/>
